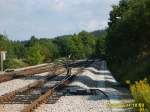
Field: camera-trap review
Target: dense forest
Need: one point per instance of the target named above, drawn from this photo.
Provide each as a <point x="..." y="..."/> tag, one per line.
<point x="128" y="40"/>
<point x="128" y="47"/>
<point x="36" y="51"/>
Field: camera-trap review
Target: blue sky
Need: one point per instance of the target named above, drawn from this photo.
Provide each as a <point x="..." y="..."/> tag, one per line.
<point x="20" y="19"/>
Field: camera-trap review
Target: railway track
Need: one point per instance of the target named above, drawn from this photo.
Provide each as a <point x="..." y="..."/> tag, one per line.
<point x="8" y="97"/>
<point x="50" y="96"/>
<point x="43" y="92"/>
<point x="29" y="73"/>
<point x="26" y="72"/>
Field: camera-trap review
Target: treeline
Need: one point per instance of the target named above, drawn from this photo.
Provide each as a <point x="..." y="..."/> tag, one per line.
<point x="128" y="40"/>
<point x="36" y="51"/>
<point x="128" y="47"/>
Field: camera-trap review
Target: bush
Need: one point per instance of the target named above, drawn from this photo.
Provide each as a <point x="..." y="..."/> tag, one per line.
<point x="14" y="63"/>
<point x="141" y="93"/>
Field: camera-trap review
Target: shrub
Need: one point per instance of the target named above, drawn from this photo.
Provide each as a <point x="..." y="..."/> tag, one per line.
<point x="14" y="63"/>
<point x="141" y="93"/>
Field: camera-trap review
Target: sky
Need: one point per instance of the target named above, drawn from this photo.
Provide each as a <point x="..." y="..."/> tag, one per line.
<point x="20" y="19"/>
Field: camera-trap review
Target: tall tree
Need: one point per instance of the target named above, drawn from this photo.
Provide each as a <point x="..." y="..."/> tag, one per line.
<point x="128" y="41"/>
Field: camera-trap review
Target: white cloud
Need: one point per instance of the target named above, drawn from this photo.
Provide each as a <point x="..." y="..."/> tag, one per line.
<point x="57" y="6"/>
<point x="92" y="25"/>
<point x="23" y="18"/>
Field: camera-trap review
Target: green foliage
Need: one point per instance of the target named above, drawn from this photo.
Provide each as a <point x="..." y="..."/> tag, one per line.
<point x="66" y="46"/>
<point x="100" y="47"/>
<point x="36" y="51"/>
<point x="34" y="55"/>
<point x="14" y="63"/>
<point x="48" y="49"/>
<point x="79" y="51"/>
<point x="140" y="91"/>
<point x="18" y="49"/>
<point x="4" y="42"/>
<point x="128" y="42"/>
<point x="99" y="33"/>
<point x="7" y="45"/>
<point x="88" y="41"/>
<point x="78" y="46"/>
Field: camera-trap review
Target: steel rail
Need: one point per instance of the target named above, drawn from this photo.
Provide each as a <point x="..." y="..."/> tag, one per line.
<point x="9" y="96"/>
<point x="26" y="72"/>
<point x="44" y="98"/>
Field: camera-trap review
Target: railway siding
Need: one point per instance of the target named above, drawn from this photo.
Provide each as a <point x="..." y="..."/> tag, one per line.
<point x="45" y="97"/>
<point x="26" y="82"/>
<point x="95" y="77"/>
<point x="95" y="88"/>
<point x="19" y="84"/>
<point x="27" y="71"/>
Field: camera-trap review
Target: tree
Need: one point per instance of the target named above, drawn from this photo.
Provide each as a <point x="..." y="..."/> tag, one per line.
<point x="48" y="49"/>
<point x="34" y="55"/>
<point x="100" y="47"/>
<point x="128" y="41"/>
<point x="35" y="50"/>
<point x="88" y="41"/>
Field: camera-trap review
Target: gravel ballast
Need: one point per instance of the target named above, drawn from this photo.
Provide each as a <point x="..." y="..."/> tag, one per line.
<point x="97" y="76"/>
<point x="16" y="84"/>
<point x="80" y="103"/>
<point x="74" y="104"/>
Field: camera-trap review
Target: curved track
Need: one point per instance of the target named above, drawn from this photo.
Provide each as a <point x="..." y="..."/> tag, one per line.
<point x="50" y="92"/>
<point x="6" y="98"/>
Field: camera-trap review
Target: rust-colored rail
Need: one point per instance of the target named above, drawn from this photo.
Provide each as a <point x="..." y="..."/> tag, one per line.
<point x="44" y="98"/>
<point x="14" y="74"/>
<point x="9" y="96"/>
<point x="28" y="72"/>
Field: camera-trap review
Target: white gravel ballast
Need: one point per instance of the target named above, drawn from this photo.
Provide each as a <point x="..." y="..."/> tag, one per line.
<point x="16" y="84"/>
<point x="98" y="77"/>
<point x="74" y="104"/>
